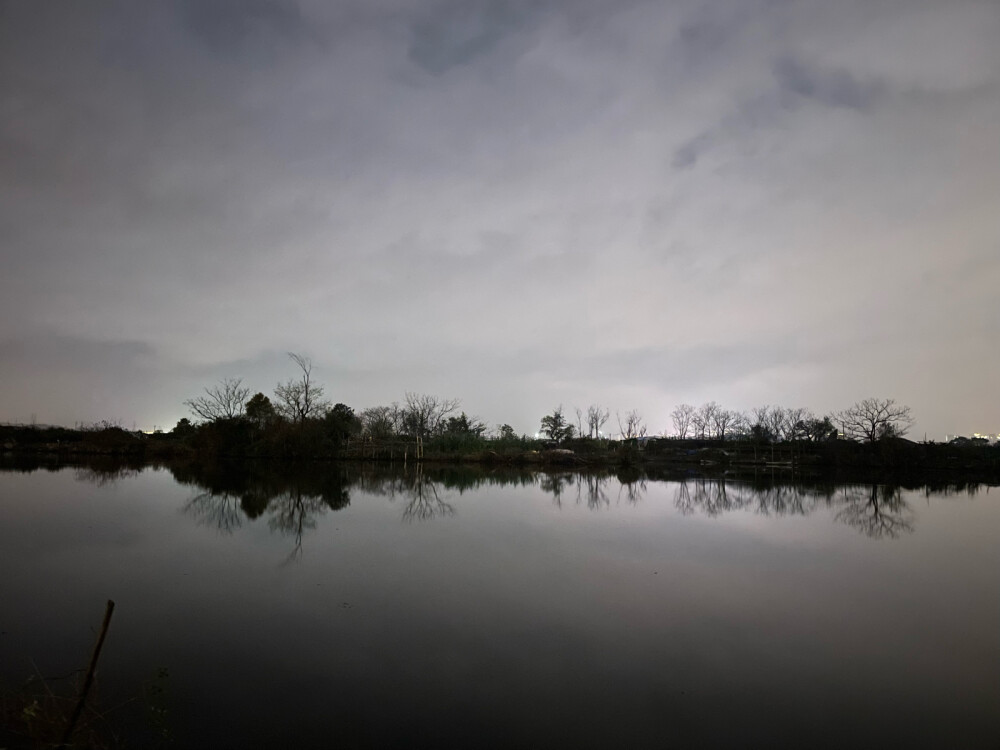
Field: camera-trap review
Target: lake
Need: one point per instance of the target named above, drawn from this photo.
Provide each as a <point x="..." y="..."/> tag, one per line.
<point x="361" y="607"/>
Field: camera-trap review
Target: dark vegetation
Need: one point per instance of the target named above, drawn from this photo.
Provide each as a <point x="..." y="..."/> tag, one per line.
<point x="64" y="712"/>
<point x="297" y="422"/>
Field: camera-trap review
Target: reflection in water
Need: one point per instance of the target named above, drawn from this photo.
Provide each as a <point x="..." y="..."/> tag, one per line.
<point x="876" y="510"/>
<point x="539" y="595"/>
<point x="592" y="488"/>
<point x="294" y="502"/>
<point x="424" y="497"/>
<point x="716" y="496"/>
<point x="633" y="485"/>
<point x="106" y="475"/>
<point x="293" y="496"/>
<point x="425" y="501"/>
<point x="293" y="512"/>
<point x="222" y="511"/>
<point x="555" y="484"/>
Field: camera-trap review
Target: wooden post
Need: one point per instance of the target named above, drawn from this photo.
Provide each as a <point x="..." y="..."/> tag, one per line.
<point x="109" y="610"/>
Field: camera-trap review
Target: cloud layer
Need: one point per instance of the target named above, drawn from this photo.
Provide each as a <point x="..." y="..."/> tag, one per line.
<point x="517" y="204"/>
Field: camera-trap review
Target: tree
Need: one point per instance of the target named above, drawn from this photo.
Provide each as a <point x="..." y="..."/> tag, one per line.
<point x="260" y="410"/>
<point x="740" y="428"/>
<point x="875" y="419"/>
<point x="341" y="422"/>
<point x="463" y="425"/>
<point x="795" y="423"/>
<point x="299" y="399"/>
<point x="703" y="419"/>
<point x="556" y="427"/>
<point x="506" y="432"/>
<point x="681" y="417"/>
<point x="632" y="427"/>
<point x="776" y="424"/>
<point x="183" y="428"/>
<point x="820" y="430"/>
<point x="760" y="425"/>
<point x="724" y="421"/>
<point x="596" y="417"/>
<point x="424" y="415"/>
<point x="223" y="401"/>
<point x="381" y="422"/>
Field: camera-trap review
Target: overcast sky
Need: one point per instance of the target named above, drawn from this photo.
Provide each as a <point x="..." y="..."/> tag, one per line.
<point x="516" y="203"/>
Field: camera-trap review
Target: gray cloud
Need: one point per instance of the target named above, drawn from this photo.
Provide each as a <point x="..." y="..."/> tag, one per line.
<point x="229" y="27"/>
<point x="835" y="88"/>
<point x="456" y="33"/>
<point x="512" y="203"/>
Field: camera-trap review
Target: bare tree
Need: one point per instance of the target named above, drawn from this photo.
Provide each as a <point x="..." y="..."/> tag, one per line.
<point x="703" y="420"/>
<point x="632" y="427"/>
<point x="681" y="417"/>
<point x="579" y="420"/>
<point x="596" y="418"/>
<point x="226" y="400"/>
<point x="820" y="428"/>
<point x="760" y="425"/>
<point x="740" y="426"/>
<point x="776" y="423"/>
<point x="874" y="419"/>
<point x="424" y="415"/>
<point x="796" y="423"/>
<point x="723" y="420"/>
<point x="381" y="421"/>
<point x="299" y="399"/>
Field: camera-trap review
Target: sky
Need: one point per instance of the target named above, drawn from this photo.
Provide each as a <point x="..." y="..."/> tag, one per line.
<point x="519" y="204"/>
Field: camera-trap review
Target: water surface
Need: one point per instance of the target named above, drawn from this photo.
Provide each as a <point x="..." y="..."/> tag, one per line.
<point x="454" y="608"/>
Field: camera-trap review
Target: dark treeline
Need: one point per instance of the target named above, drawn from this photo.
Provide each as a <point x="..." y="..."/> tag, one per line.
<point x="297" y="421"/>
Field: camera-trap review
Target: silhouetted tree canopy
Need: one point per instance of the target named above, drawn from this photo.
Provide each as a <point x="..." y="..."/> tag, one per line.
<point x="223" y="401"/>
<point x="260" y="410"/>
<point x="298" y="399"/>
<point x="875" y="419"/>
<point x="555" y="426"/>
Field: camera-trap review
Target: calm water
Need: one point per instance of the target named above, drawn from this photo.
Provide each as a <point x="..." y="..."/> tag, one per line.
<point x="455" y="609"/>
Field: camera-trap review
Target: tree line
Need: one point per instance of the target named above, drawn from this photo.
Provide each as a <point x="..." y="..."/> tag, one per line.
<point x="298" y="413"/>
<point x="297" y="418"/>
<point x="870" y="420"/>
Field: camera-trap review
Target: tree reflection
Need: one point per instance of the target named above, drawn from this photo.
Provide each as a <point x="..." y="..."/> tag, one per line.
<point x="555" y="484"/>
<point x="710" y="496"/>
<point x="425" y="502"/>
<point x="632" y="483"/>
<point x="717" y="496"/>
<point x="878" y="511"/>
<point x="593" y="488"/>
<point x="223" y="511"/>
<point x="106" y="474"/>
<point x="292" y="513"/>
<point x="292" y="497"/>
<point x="422" y="490"/>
